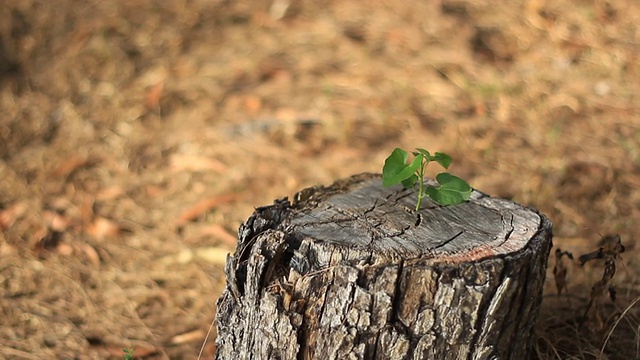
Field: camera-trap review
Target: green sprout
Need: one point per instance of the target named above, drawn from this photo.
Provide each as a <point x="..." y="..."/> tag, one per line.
<point x="128" y="354"/>
<point x="451" y="190"/>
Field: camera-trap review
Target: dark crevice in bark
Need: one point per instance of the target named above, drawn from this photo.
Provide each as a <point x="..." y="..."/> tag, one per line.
<point x="397" y="292"/>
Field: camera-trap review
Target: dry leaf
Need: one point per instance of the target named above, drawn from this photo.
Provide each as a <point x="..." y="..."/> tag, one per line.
<point x="560" y="270"/>
<point x="188" y="337"/>
<point x="610" y="249"/>
<point x="56" y="221"/>
<point x="109" y="193"/>
<point x="86" y="210"/>
<point x="70" y="165"/>
<point x="202" y="207"/>
<point x="64" y="249"/>
<point x="183" y="162"/>
<point x="6" y="249"/>
<point x="220" y="233"/>
<point x="253" y="104"/>
<point x="154" y="93"/>
<point x="9" y="215"/>
<point x="101" y="228"/>
<point x="91" y="254"/>
<point x="154" y="190"/>
<point x="183" y="257"/>
<point x="214" y="255"/>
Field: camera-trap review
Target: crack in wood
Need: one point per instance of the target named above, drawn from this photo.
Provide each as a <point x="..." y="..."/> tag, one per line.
<point x="449" y="240"/>
<point x="418" y="220"/>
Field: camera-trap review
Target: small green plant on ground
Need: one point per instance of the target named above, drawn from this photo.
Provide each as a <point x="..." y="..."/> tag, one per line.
<point x="451" y="190"/>
<point x="128" y="354"/>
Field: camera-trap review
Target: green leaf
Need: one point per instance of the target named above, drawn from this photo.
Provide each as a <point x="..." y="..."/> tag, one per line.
<point x="424" y="152"/>
<point x="442" y="159"/>
<point x="409" y="182"/>
<point x="396" y="170"/>
<point x="452" y="190"/>
<point x="393" y="165"/>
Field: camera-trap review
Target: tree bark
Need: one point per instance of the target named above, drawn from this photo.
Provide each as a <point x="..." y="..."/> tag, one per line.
<point x="352" y="271"/>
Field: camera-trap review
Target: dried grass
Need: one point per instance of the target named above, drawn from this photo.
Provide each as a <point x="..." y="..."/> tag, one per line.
<point x="110" y="111"/>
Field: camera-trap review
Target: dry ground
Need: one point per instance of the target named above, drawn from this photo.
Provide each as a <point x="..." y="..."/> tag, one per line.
<point x="136" y="135"/>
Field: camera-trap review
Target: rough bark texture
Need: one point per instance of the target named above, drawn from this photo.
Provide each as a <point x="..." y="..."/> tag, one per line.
<point x="351" y="271"/>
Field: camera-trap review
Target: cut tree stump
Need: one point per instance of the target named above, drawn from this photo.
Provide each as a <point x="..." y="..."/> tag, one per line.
<point x="352" y="271"/>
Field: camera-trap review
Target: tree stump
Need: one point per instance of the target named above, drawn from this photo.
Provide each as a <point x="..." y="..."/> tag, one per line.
<point x="352" y="271"/>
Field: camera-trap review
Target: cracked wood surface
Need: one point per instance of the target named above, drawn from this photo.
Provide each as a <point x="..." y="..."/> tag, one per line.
<point x="351" y="271"/>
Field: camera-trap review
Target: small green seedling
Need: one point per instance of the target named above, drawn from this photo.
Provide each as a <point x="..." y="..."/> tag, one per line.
<point x="397" y="170"/>
<point x="128" y="354"/>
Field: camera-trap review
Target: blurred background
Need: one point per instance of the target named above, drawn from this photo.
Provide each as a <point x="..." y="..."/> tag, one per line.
<point x="136" y="136"/>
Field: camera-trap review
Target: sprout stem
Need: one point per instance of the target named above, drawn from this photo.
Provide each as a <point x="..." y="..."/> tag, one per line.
<point x="421" y="190"/>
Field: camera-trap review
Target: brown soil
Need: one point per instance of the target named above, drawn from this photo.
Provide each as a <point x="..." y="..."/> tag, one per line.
<point x="136" y="135"/>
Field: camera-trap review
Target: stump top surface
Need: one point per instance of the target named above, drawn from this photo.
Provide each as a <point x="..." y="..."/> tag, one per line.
<point x="359" y="213"/>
